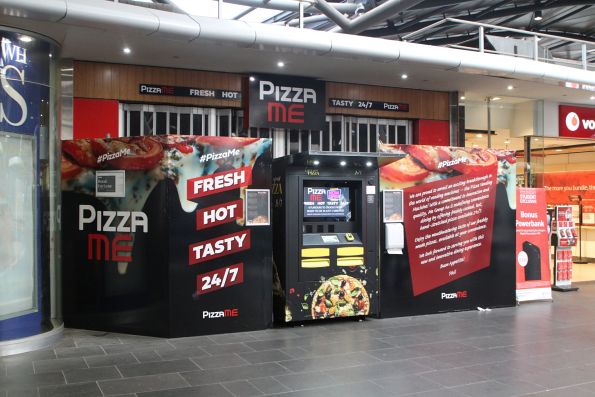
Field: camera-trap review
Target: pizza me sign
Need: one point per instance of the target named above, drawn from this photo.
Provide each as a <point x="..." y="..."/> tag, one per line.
<point x="577" y="122"/>
<point x="286" y="102"/>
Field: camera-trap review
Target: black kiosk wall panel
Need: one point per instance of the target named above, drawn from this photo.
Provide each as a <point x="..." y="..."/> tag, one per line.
<point x="167" y="235"/>
<point x="459" y="226"/>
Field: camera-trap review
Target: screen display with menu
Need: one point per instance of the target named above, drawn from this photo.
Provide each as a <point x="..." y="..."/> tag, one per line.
<point x="327" y="202"/>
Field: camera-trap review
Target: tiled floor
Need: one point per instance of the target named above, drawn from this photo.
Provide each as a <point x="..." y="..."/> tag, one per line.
<point x="540" y="349"/>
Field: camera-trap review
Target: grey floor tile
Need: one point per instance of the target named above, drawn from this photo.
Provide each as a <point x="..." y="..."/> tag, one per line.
<point x="328" y="361"/>
<point x="352" y="389"/>
<point x="437" y="393"/>
<point x="409" y="384"/>
<point x="158" y="367"/>
<point x="232" y="338"/>
<point x="66" y="352"/>
<point x="220" y="361"/>
<point x="308" y="380"/>
<point x="146" y="356"/>
<point x="141" y="384"/>
<point x="152" y="344"/>
<point x="91" y="374"/>
<point x="194" y="391"/>
<point x="21" y="393"/>
<point x="182" y="352"/>
<point x="58" y="364"/>
<point x="574" y="391"/>
<point x="27" y="382"/>
<point x="493" y="388"/>
<point x="265" y="356"/>
<point x="246" y="372"/>
<point x="19" y="368"/>
<point x="395" y="354"/>
<point x="111" y="359"/>
<point x="269" y="385"/>
<point x="227" y="348"/>
<point x="89" y="389"/>
<point x="190" y="341"/>
<point x="376" y="371"/>
<point x="454" y="377"/>
<point x="44" y="354"/>
<point x="242" y="388"/>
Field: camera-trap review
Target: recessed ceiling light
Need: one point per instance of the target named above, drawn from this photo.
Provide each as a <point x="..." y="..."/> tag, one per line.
<point x="496" y="98"/>
<point x="316" y="162"/>
<point x="126" y="50"/>
<point x="507" y="141"/>
<point x="26" y="39"/>
<point x="558" y="150"/>
<point x="404" y="76"/>
<point x="463" y="98"/>
<point x="592" y="98"/>
<point x="343" y="163"/>
<point x="368" y="163"/>
<point x="479" y="136"/>
<point x="538" y="15"/>
<point x="535" y="139"/>
<point x="510" y="88"/>
<point x="50" y="55"/>
<point x="251" y="78"/>
<point x="280" y="64"/>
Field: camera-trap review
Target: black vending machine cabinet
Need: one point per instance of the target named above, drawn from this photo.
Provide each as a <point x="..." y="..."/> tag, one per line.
<point x="325" y="236"/>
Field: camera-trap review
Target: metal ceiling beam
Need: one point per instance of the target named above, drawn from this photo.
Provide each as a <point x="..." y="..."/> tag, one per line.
<point x="378" y="14"/>
<point x="291" y="5"/>
<point x="516" y="11"/>
<point x="561" y="17"/>
<point x="343" y="22"/>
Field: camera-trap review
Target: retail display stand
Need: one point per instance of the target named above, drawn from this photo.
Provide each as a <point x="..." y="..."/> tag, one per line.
<point x="566" y="234"/>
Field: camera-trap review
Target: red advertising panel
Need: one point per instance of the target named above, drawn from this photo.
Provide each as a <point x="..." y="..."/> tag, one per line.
<point x="449" y="211"/>
<point x="219" y="214"/>
<point x="559" y="186"/>
<point x="532" y="248"/>
<point x="577" y="122"/>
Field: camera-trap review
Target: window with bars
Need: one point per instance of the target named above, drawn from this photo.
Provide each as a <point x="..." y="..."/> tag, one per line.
<point x="141" y="119"/>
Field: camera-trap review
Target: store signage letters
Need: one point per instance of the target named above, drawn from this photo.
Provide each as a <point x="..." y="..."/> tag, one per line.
<point x="10" y="73"/>
<point x="170" y="90"/>
<point x="287" y="102"/>
<point x="577" y="122"/>
<point x="368" y="105"/>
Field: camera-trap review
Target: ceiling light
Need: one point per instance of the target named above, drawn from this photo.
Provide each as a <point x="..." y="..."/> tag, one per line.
<point x="558" y="150"/>
<point x="126" y="50"/>
<point x="479" y="136"/>
<point x="280" y="64"/>
<point x="510" y="88"/>
<point x="507" y="142"/>
<point x="536" y="139"/>
<point x="51" y="55"/>
<point x="475" y="145"/>
<point x="368" y="163"/>
<point x="538" y="15"/>
<point x="343" y="163"/>
<point x="316" y="162"/>
<point x="592" y="98"/>
<point x="143" y="1"/>
<point x="26" y="39"/>
<point x="251" y="78"/>
<point x="463" y="98"/>
<point x="404" y="76"/>
<point x="496" y="98"/>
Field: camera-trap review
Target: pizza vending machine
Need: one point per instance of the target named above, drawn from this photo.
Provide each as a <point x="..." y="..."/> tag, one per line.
<point x="565" y="238"/>
<point x="325" y="251"/>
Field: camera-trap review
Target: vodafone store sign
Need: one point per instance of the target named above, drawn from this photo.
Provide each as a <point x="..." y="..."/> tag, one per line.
<point x="577" y="122"/>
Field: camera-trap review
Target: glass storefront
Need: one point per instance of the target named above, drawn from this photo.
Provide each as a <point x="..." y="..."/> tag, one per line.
<point x="29" y="192"/>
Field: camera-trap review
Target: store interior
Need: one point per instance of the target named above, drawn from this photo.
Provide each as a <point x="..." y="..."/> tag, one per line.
<point x="519" y="122"/>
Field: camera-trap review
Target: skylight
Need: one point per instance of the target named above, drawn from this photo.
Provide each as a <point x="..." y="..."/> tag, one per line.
<point x="209" y="8"/>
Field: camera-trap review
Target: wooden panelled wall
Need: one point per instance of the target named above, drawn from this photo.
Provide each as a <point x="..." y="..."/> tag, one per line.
<point x="121" y="82"/>
<point x="116" y="81"/>
<point x="429" y="105"/>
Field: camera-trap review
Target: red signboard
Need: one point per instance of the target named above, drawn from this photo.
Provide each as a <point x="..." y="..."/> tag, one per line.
<point x="577" y="122"/>
<point x="560" y="186"/>
<point x="532" y="249"/>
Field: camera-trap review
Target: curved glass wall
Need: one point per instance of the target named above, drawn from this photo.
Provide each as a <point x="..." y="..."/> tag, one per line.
<point x="29" y="191"/>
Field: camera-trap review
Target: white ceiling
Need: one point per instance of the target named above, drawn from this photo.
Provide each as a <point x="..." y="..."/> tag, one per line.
<point x="85" y="43"/>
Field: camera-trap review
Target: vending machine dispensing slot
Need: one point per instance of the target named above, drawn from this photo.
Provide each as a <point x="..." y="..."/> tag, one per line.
<point x="325" y="209"/>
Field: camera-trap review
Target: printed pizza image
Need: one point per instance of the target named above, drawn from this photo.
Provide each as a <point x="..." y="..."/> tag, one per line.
<point x="340" y="296"/>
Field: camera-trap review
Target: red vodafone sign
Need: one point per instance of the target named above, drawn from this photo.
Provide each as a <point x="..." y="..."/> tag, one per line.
<point x="577" y="122"/>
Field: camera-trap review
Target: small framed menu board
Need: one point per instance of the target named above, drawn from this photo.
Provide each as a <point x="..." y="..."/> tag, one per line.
<point x="110" y="183"/>
<point x="392" y="210"/>
<point x="258" y="208"/>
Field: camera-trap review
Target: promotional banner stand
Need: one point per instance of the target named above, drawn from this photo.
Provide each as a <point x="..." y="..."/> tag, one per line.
<point x="565" y="239"/>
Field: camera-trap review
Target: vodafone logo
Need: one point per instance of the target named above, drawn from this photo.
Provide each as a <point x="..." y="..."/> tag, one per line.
<point x="572" y="121"/>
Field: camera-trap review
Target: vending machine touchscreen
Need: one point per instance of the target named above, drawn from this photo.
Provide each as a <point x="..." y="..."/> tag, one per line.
<point x="325" y="208"/>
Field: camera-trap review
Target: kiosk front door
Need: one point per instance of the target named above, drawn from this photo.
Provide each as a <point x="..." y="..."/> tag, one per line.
<point x="325" y="236"/>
